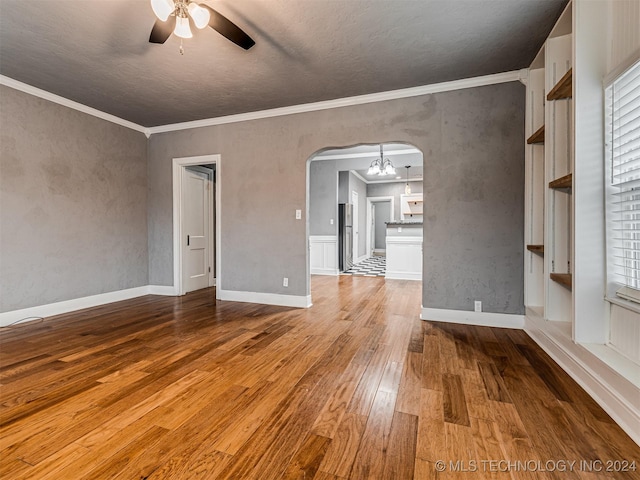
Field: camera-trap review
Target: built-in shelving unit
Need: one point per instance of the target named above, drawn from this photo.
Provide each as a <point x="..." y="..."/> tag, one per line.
<point x="539" y="249"/>
<point x="549" y="179"/>
<point x="564" y="279"/>
<point x="537" y="137"/>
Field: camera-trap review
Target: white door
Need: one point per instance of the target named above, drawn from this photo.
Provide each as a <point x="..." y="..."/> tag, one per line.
<point x="196" y="215"/>
<point x="354" y="223"/>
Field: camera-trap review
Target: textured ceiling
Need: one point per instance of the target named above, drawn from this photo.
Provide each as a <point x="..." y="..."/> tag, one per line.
<point x="96" y="51"/>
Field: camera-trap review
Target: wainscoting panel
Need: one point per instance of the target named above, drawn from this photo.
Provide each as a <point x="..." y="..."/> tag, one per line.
<point x="404" y="258"/>
<point x="323" y="253"/>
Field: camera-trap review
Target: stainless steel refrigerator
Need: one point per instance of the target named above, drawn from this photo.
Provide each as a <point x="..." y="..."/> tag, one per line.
<point x="345" y="236"/>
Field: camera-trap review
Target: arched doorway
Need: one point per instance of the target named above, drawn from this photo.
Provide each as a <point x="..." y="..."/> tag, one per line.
<point x="344" y="238"/>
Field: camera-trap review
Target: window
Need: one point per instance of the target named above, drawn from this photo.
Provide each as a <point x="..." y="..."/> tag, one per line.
<point x="622" y="154"/>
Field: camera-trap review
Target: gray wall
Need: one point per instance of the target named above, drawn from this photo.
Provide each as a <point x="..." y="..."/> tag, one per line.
<point x="327" y="188"/>
<point x="323" y="198"/>
<point x="73" y="203"/>
<point x="343" y="188"/>
<point x="392" y="190"/>
<point x="473" y="147"/>
<point x="382" y="215"/>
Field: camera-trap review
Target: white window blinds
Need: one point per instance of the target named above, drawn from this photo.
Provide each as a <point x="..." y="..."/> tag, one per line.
<point x="622" y="130"/>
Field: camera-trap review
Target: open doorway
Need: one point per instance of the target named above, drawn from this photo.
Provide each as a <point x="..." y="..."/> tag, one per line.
<point x="380" y="211"/>
<point x="342" y="185"/>
<point x="196" y="223"/>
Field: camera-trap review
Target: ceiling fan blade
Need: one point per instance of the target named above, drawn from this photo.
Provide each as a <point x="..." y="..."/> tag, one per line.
<point x="228" y="29"/>
<point x="162" y="30"/>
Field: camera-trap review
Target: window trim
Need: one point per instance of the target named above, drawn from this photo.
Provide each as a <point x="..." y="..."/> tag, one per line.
<point x="616" y="292"/>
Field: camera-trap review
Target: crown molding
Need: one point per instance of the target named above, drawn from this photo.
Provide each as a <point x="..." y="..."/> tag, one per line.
<point x="496" y="78"/>
<point x="65" y="102"/>
<point x="523" y="76"/>
<point x="393" y="180"/>
<point x="493" y="79"/>
<point x="357" y="175"/>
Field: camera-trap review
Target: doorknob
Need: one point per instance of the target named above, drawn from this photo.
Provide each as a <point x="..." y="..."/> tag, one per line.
<point x="187" y="240"/>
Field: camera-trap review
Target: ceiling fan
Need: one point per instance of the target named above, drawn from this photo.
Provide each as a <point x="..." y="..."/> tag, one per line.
<point x="173" y="17"/>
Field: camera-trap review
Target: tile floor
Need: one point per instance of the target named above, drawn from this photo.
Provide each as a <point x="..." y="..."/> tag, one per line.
<point x="371" y="267"/>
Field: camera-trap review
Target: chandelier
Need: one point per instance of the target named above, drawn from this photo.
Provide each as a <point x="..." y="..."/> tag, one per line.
<point x="381" y="166"/>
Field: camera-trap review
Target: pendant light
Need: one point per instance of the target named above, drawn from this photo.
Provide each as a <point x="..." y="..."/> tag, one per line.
<point x="407" y="187"/>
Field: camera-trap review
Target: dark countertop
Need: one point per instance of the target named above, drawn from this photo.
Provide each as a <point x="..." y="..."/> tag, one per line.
<point x="403" y="224"/>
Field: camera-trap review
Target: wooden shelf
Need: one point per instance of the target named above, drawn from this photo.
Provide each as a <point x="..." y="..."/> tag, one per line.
<point x="562" y="89"/>
<point x="563" y="279"/>
<point x="539" y="249"/>
<point x="411" y="204"/>
<point x="562" y="182"/>
<point x="537" y="137"/>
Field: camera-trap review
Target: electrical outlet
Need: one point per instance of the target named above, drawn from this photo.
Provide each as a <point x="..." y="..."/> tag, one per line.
<point x="285" y="282"/>
<point x="298" y="214"/>
<point x="477" y="306"/>
<point x="331" y="222"/>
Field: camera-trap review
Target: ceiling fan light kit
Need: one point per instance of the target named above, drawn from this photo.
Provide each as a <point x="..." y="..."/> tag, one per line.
<point x="174" y="17"/>
<point x="163" y="8"/>
<point x="199" y="15"/>
<point x="182" y="29"/>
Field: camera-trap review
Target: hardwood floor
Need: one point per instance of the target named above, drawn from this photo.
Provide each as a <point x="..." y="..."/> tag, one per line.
<point x="354" y="387"/>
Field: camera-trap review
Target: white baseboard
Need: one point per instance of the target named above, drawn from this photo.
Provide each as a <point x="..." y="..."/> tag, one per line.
<point x="483" y="319"/>
<point x="616" y="395"/>
<point x="66" y="306"/>
<point x="58" y="308"/>
<point x="325" y="271"/>
<point x="266" y="298"/>
<point x="168" y="291"/>
<point x="390" y="275"/>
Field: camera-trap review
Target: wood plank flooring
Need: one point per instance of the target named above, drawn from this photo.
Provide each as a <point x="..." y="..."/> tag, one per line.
<point x="356" y="387"/>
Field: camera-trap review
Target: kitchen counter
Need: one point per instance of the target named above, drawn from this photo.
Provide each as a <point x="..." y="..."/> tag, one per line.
<point x="404" y="224"/>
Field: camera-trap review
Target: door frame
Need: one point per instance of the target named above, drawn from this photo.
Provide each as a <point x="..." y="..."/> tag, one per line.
<point x="370" y="202"/>
<point x="179" y="165"/>
<point x="355" y="217"/>
<point x="210" y="204"/>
